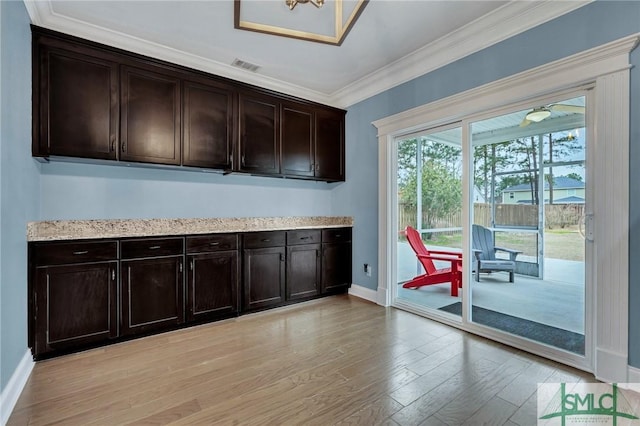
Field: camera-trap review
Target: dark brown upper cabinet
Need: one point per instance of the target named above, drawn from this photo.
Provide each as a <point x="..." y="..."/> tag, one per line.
<point x="207" y="138"/>
<point x="98" y="102"/>
<point x="312" y="142"/>
<point x="78" y="105"/>
<point x="150" y="123"/>
<point x="259" y="139"/>
<point x="297" y="140"/>
<point x="329" y="145"/>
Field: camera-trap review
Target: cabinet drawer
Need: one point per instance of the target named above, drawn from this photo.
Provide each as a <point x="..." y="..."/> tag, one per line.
<point x="303" y="236"/>
<point x="209" y="243"/>
<point x="336" y="235"/>
<point x="151" y="247"/>
<point x="264" y="239"/>
<point x="75" y="252"/>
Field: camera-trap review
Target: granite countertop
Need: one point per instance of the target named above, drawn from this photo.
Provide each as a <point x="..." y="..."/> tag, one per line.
<point x="118" y="228"/>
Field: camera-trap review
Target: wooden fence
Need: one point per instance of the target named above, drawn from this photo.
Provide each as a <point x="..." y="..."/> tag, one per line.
<point x="556" y="216"/>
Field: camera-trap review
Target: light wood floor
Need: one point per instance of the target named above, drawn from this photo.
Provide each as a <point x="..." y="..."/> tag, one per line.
<point x="339" y="360"/>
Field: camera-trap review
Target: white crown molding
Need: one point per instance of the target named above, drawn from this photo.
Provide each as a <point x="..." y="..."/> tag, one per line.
<point x="601" y="60"/>
<point x="42" y="14"/>
<point x="11" y="392"/>
<point x="506" y="21"/>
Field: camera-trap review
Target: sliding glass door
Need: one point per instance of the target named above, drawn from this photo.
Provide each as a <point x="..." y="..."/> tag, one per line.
<point x="528" y="246"/>
<point x="523" y="271"/>
<point x="430" y="202"/>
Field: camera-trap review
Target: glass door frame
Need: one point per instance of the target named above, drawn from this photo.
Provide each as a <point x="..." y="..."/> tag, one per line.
<point x="607" y="68"/>
<point x="464" y="321"/>
<point x="395" y="301"/>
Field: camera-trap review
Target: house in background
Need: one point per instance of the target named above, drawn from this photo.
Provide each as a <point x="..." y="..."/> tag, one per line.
<point x="566" y="190"/>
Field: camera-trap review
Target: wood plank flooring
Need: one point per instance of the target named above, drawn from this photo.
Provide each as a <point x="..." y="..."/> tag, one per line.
<point x="339" y="360"/>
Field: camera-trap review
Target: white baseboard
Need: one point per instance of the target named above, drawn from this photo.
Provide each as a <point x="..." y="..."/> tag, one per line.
<point x="610" y="366"/>
<point x="633" y="374"/>
<point x="364" y="293"/>
<point x="12" y="391"/>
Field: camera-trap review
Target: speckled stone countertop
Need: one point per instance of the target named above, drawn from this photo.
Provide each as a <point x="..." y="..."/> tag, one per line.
<point x="119" y="228"/>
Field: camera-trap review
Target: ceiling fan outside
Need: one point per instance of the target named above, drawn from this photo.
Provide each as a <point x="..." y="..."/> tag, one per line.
<point x="540" y="113"/>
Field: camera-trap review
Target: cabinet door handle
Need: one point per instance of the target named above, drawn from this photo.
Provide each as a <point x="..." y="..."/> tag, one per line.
<point x="124" y="146"/>
<point x="281" y="257"/>
<point x="154" y="247"/>
<point x="215" y="243"/>
<point x="242" y="160"/>
<point x="317" y="253"/>
<point x="191" y="265"/>
<point x="112" y="145"/>
<point x="113" y="274"/>
<point x="180" y="266"/>
<point x="265" y="240"/>
<point x="317" y="166"/>
<point x="312" y="167"/>
<point x="304" y="238"/>
<point x="338" y="235"/>
<point x="78" y="253"/>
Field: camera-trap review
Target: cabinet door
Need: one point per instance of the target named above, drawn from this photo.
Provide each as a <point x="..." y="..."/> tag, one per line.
<point x="303" y="271"/>
<point x="78" y="105"/>
<point x="75" y="305"/>
<point x="151" y="294"/>
<point x="336" y="266"/>
<point x="207" y="126"/>
<point x="212" y="285"/>
<point x="264" y="277"/>
<point x="297" y="140"/>
<point x="329" y="155"/>
<point x="259" y="141"/>
<point x="150" y="109"/>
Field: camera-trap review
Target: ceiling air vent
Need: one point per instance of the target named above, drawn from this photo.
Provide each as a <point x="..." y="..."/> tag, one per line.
<point x="245" y="65"/>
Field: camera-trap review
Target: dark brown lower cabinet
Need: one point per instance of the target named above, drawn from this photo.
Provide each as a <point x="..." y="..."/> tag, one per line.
<point x="303" y="271"/>
<point x="152" y="294"/>
<point x="264" y="277"/>
<point x="336" y="260"/>
<point x="84" y="293"/>
<point x="212" y="288"/>
<point x="75" y="305"/>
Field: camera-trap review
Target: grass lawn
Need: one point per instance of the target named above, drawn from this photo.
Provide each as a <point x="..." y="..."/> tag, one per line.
<point x="565" y="244"/>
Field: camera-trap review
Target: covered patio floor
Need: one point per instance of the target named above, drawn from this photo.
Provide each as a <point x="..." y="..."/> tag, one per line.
<point x="557" y="300"/>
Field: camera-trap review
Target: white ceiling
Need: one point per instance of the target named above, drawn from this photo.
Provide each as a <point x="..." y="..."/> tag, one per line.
<point x="392" y="42"/>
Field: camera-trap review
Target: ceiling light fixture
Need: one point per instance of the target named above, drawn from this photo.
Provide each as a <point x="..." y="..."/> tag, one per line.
<point x="292" y="3"/>
<point x="330" y="25"/>
<point x="538" y="114"/>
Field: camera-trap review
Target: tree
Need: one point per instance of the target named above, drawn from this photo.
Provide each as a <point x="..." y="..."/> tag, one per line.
<point x="574" y="176"/>
<point x="522" y="155"/>
<point x="486" y="160"/>
<point x="441" y="192"/>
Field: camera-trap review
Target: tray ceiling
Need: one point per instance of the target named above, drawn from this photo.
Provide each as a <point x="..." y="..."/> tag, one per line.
<point x="390" y="43"/>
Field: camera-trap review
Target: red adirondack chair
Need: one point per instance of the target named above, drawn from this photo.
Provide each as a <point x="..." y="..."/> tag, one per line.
<point x="453" y="274"/>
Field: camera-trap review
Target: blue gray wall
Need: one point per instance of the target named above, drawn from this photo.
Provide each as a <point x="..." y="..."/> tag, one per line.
<point x="89" y="191"/>
<point x="587" y="27"/>
<point x="19" y="183"/>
